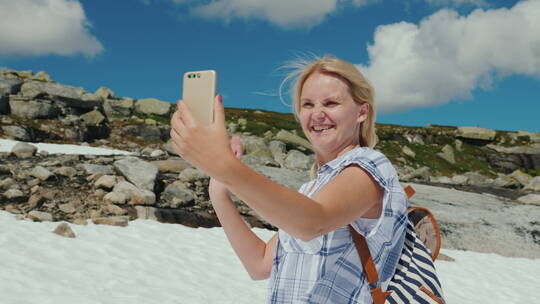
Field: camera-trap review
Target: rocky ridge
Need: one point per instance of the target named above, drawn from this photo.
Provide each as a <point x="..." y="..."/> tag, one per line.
<point x="155" y="183"/>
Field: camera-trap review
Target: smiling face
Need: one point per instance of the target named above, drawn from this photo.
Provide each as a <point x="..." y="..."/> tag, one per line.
<point x="329" y="116"/>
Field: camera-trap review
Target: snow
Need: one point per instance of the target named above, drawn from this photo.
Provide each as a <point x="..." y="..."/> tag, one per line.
<point x="6" y="145"/>
<point x="150" y="262"/>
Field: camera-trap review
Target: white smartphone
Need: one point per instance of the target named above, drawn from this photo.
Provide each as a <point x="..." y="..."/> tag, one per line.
<point x="199" y="90"/>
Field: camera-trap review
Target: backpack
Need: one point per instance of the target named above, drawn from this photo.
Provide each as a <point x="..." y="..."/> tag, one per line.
<point x="415" y="279"/>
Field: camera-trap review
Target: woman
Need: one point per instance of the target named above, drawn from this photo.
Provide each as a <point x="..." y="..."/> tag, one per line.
<point x="312" y="258"/>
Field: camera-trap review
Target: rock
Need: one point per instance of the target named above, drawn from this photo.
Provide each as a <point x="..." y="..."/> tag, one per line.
<point x="115" y="198"/>
<point x="475" y="133"/>
<point x="447" y="154"/>
<point x="39" y="216"/>
<point x="24" y="150"/>
<point x="533" y="149"/>
<point x="152" y="106"/>
<point x="65" y="171"/>
<point x="122" y="107"/>
<point x="73" y="97"/>
<point x="92" y="118"/>
<point x="104" y="93"/>
<point x="9" y="86"/>
<point x="297" y="160"/>
<point x="192" y="174"/>
<point x="407" y="151"/>
<point x="13" y="74"/>
<point x="530" y="199"/>
<point x="146" y="213"/>
<point x="523" y="178"/>
<point x="6" y="183"/>
<point x="41" y="173"/>
<point x="121" y="221"/>
<point x="505" y="181"/>
<point x="459" y="179"/>
<point x="41" y="76"/>
<point x="93" y="169"/>
<point x="126" y="188"/>
<point x="143" y="197"/>
<point x="477" y="179"/>
<point x="13" y="194"/>
<point x="420" y="173"/>
<point x="4" y="104"/>
<point x="64" y="230"/>
<point x="157" y="153"/>
<point x="32" y="109"/>
<point x="80" y="222"/>
<point x="264" y="160"/>
<point x="141" y="173"/>
<point x="288" y="137"/>
<point x="440" y="179"/>
<point x="113" y="209"/>
<point x="105" y="182"/>
<point x="34" y="200"/>
<point x="177" y="194"/>
<point x="288" y="178"/>
<point x="278" y="150"/>
<point x="171" y="165"/>
<point x="67" y="208"/>
<point x="534" y="184"/>
<point x="17" y="132"/>
<point x="459" y="145"/>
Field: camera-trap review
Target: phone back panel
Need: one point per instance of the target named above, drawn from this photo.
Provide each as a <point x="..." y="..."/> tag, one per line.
<point x="199" y="89"/>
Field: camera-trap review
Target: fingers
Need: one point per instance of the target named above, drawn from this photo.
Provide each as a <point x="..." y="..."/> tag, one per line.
<point x="186" y="115"/>
<point x="236" y="146"/>
<point x="219" y="111"/>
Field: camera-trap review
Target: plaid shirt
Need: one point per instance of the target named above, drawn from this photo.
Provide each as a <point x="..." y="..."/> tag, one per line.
<point x="327" y="269"/>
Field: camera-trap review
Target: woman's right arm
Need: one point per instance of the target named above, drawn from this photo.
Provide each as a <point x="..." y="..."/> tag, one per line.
<point x="254" y="253"/>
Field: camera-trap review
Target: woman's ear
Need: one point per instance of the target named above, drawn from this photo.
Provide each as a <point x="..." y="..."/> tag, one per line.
<point x="364" y="111"/>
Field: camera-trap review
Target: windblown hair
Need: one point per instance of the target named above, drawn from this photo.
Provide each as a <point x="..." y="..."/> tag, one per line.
<point x="359" y="88"/>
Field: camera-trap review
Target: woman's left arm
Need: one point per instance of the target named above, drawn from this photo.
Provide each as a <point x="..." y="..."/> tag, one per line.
<point x="350" y="195"/>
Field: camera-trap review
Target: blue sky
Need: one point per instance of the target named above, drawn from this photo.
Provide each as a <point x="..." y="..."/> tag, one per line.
<point x="447" y="62"/>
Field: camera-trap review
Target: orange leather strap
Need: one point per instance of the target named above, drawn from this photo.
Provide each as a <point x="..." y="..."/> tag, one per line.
<point x="378" y="296"/>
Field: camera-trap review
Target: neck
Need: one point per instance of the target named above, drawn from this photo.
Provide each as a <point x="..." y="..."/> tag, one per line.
<point x="322" y="157"/>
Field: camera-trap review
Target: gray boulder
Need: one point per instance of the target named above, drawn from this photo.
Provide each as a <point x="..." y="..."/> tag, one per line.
<point x="121" y="221"/>
<point x="534" y="184"/>
<point x="152" y="106"/>
<point x="104" y="93"/>
<point x="122" y="107"/>
<point x="42" y="76"/>
<point x="17" y="132"/>
<point x="475" y="133"/>
<point x="297" y="160"/>
<point x="192" y="174"/>
<point x="290" y="138"/>
<point x="530" y="199"/>
<point x="24" y="150"/>
<point x="177" y="194"/>
<point x="92" y="169"/>
<point x="141" y="173"/>
<point x="9" y="85"/>
<point x="64" y="230"/>
<point x="523" y="178"/>
<point x="41" y="173"/>
<point x="92" y="118"/>
<point x="39" y="216"/>
<point x="447" y="154"/>
<point x="289" y="178"/>
<point x="73" y="97"/>
<point x="35" y="108"/>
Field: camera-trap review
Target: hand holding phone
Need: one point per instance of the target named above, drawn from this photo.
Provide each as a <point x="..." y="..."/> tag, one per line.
<point x="199" y="90"/>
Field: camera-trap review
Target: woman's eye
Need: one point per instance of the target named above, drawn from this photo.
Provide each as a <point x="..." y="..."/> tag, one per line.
<point x="307" y="105"/>
<point x="331" y="103"/>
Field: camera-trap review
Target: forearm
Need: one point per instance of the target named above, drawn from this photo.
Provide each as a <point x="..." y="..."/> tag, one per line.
<point x="287" y="209"/>
<point x="247" y="245"/>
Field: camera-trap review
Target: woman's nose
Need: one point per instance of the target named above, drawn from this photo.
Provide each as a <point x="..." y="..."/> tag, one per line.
<point x="318" y="112"/>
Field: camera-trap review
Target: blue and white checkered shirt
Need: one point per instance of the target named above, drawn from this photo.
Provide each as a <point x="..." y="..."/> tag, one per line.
<point x="327" y="269"/>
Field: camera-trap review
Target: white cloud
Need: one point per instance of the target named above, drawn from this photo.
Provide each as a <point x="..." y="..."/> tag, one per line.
<point x="283" y="13"/>
<point x="480" y="3"/>
<point x="447" y="56"/>
<point x="37" y="27"/>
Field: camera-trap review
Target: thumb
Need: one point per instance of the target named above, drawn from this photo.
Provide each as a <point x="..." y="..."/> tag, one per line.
<point x="219" y="111"/>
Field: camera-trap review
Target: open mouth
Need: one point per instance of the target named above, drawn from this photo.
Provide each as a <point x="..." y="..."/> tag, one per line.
<point x="321" y="129"/>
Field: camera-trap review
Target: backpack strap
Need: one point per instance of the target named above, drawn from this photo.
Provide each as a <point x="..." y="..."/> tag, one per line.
<point x="370" y="271"/>
<point x="378" y="296"/>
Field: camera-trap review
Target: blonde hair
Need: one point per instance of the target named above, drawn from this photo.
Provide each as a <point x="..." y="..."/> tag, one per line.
<point x="359" y="88"/>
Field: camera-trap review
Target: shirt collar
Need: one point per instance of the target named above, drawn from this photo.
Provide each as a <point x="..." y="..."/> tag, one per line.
<point x="335" y="163"/>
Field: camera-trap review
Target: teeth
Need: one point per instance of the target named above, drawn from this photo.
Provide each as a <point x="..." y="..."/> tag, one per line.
<point x="321" y="128"/>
